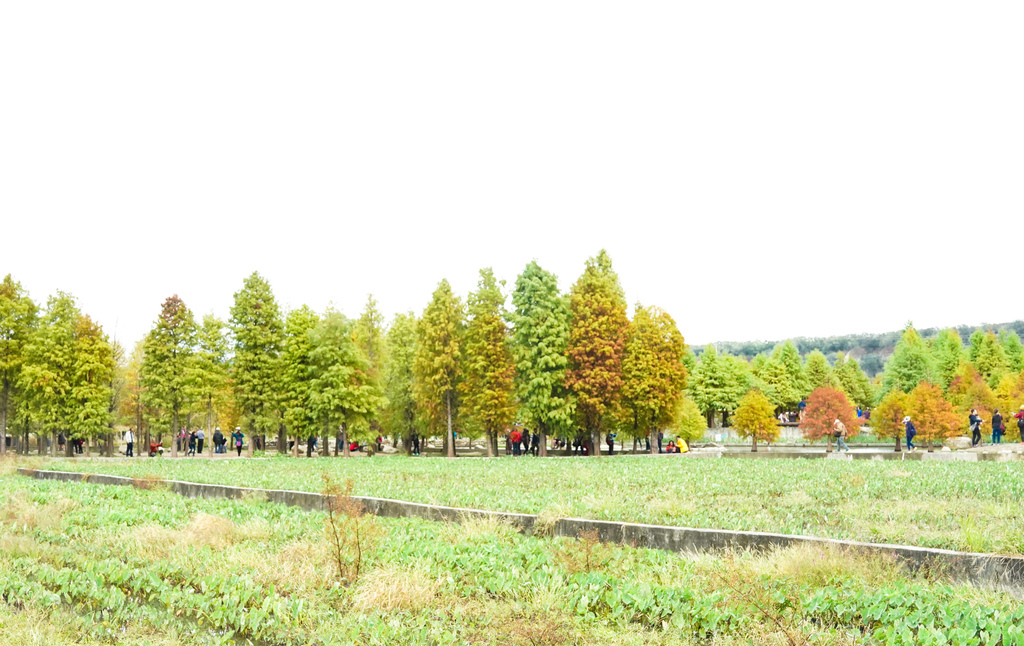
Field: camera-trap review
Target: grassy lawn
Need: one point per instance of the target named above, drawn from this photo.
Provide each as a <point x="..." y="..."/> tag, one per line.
<point x="961" y="506"/>
<point x="87" y="564"/>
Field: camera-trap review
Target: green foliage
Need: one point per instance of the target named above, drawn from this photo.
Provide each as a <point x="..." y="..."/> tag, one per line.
<point x="297" y="373"/>
<point x="910" y="364"/>
<point x="1014" y="350"/>
<point x="755" y="418"/>
<point x="540" y="343"/>
<point x="399" y="416"/>
<point x="719" y="382"/>
<point x="988" y="356"/>
<point x="854" y="382"/>
<point x="210" y="367"/>
<point x="93" y="369"/>
<point x="168" y="362"/>
<point x="947" y="353"/>
<point x="17" y="322"/>
<point x="258" y="334"/>
<point x="437" y="364"/>
<point x="818" y="372"/>
<point x="653" y="372"/>
<point x="344" y="389"/>
<point x="487" y="391"/>
<point x="597" y="342"/>
<point x="689" y="422"/>
<point x="48" y="374"/>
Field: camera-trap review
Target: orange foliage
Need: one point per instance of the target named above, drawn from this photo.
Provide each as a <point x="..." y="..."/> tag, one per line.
<point x="824" y="406"/>
<point x="934" y="417"/>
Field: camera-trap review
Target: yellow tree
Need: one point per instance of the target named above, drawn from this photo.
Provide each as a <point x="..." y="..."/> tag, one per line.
<point x="968" y="391"/>
<point x="755" y="419"/>
<point x="887" y="418"/>
<point x="933" y="416"/>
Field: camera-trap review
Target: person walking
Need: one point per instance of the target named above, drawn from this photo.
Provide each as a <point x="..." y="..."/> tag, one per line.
<point x="839" y="431"/>
<point x="129" y="439"/>
<point x="62" y="441"/>
<point x="218" y="441"/>
<point x="975" y="425"/>
<point x="517" y="439"/>
<point x="997" y="427"/>
<point x="1019" y="416"/>
<point x="237" y="438"/>
<point x="200" y="437"/>
<point x="611" y="443"/>
<point x="911" y="432"/>
<point x="535" y="443"/>
<point x="191" y="443"/>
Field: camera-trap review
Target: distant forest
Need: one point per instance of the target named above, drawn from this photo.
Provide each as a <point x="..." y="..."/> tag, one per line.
<point x="870" y="350"/>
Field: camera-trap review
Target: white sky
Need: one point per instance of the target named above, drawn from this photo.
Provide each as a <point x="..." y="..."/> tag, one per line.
<point x="760" y="170"/>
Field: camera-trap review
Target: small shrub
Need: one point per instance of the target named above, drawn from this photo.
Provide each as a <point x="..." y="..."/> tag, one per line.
<point x="351" y="533"/>
<point x="584" y="554"/>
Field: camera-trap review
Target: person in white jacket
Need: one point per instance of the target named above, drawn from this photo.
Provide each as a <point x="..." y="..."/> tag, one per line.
<point x="129" y="438"/>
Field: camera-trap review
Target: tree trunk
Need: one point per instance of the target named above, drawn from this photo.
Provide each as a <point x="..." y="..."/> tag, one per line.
<point x="595" y="442"/>
<point x="725" y="418"/>
<point x="828" y="448"/>
<point x="451" y="432"/>
<point x="145" y="446"/>
<point x="325" y="450"/>
<point x="543" y="430"/>
<point x="492" y="441"/>
<point x="343" y="435"/>
<point x="897" y="449"/>
<point x="931" y="446"/>
<point x="4" y="399"/>
<point x="654" y="441"/>
<point x="174" y="432"/>
<point x="753" y="444"/>
<point x="282" y="439"/>
<point x="252" y="438"/>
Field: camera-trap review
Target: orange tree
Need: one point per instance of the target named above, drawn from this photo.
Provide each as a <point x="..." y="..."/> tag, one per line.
<point x="934" y="417"/>
<point x="887" y="418"/>
<point x="824" y="406"/>
<point x="967" y="391"/>
<point x="755" y="418"/>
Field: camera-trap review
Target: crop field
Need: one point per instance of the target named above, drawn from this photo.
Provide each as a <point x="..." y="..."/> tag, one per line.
<point x="89" y="564"/>
<point x="976" y="507"/>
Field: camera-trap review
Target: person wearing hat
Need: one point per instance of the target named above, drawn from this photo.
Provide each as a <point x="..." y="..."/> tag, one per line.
<point x="911" y="432"/>
<point x="237" y="438"/>
<point x="218" y="441"/>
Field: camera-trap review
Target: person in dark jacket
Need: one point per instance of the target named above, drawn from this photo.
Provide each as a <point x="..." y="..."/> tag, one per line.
<point x="911" y="432"/>
<point x="997" y="427"/>
<point x="975" y="424"/>
<point x="218" y="441"/>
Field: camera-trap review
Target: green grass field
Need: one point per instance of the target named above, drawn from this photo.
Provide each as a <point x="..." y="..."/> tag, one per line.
<point x="961" y="506"/>
<point x="88" y="564"/>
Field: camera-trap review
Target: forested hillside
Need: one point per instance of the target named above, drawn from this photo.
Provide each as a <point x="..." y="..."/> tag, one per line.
<point x="870" y="350"/>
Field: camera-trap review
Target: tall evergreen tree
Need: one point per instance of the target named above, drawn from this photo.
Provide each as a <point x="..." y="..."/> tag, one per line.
<point x="818" y="372"/>
<point x="345" y="393"/>
<point x="297" y="375"/>
<point x="718" y="384"/>
<point x="653" y="372"/>
<point x="989" y="357"/>
<point x="1013" y="349"/>
<point x="947" y="353"/>
<point x="210" y="368"/>
<point x="371" y="338"/>
<point x="789" y="357"/>
<point x="167" y="365"/>
<point x="437" y="365"/>
<point x="399" y="415"/>
<point x="597" y="342"/>
<point x="49" y="366"/>
<point x="93" y="366"/>
<point x="17" y="323"/>
<point x="487" y="391"/>
<point x="910" y="363"/>
<point x="853" y="381"/>
<point x="541" y="339"/>
<point x="258" y="333"/>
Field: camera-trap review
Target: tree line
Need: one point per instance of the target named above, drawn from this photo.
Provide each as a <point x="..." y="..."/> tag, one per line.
<point x="564" y="365"/>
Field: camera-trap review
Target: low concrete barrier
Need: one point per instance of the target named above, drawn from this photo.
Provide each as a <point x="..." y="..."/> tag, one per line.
<point x="1005" y="573"/>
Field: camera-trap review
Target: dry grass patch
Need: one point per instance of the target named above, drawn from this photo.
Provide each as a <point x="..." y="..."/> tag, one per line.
<point x="478" y="528"/>
<point x="207" y="530"/>
<point x="22" y="513"/>
<point x="392" y="587"/>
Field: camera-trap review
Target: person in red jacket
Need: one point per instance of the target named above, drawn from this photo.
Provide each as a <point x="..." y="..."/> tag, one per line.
<point x="517" y="439"/>
<point x="1020" y="422"/>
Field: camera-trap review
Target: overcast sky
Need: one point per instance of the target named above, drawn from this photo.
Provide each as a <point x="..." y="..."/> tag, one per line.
<point x="760" y="170"/>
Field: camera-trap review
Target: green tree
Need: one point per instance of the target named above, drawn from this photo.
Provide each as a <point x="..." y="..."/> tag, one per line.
<point x="1013" y="349"/>
<point x="818" y="372"/>
<point x="853" y="381"/>
<point x="210" y="368"/>
<point x="437" y="364"/>
<point x="258" y="333"/>
<point x="718" y="383"/>
<point x="787" y="355"/>
<point x="49" y="366"/>
<point x="689" y="423"/>
<point x="167" y="364"/>
<point x="93" y="368"/>
<point x="755" y="419"/>
<point x="947" y="353"/>
<point x="17" y="322"/>
<point x="910" y="363"/>
<point x="653" y="372"/>
<point x="989" y="357"/>
<point x="540" y="345"/>
<point x="399" y="416"/>
<point x="597" y="342"/>
<point x="371" y="338"/>
<point x="488" y="388"/>
<point x="297" y="375"/>
<point x="345" y="392"/>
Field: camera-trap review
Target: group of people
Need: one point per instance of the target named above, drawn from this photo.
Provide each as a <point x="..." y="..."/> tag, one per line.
<point x="974" y="424"/>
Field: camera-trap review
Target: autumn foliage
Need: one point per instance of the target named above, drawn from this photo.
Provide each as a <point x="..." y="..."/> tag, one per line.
<point x="887" y="419"/>
<point x="933" y="416"/>
<point x="824" y="406"/>
<point x="755" y="419"/>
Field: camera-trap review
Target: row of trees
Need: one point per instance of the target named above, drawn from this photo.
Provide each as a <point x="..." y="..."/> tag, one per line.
<point x="563" y="364"/>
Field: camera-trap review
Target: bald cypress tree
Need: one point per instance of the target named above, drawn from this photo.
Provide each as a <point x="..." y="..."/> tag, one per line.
<point x="17" y="322"/>
<point x="167" y="363"/>
<point x="597" y="343"/>
<point x="438" y="363"/>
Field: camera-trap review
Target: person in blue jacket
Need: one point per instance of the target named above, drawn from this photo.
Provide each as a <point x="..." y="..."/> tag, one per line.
<point x="911" y="432"/>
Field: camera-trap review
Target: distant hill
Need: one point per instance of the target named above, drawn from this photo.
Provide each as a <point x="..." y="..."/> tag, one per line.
<point x="870" y="350"/>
